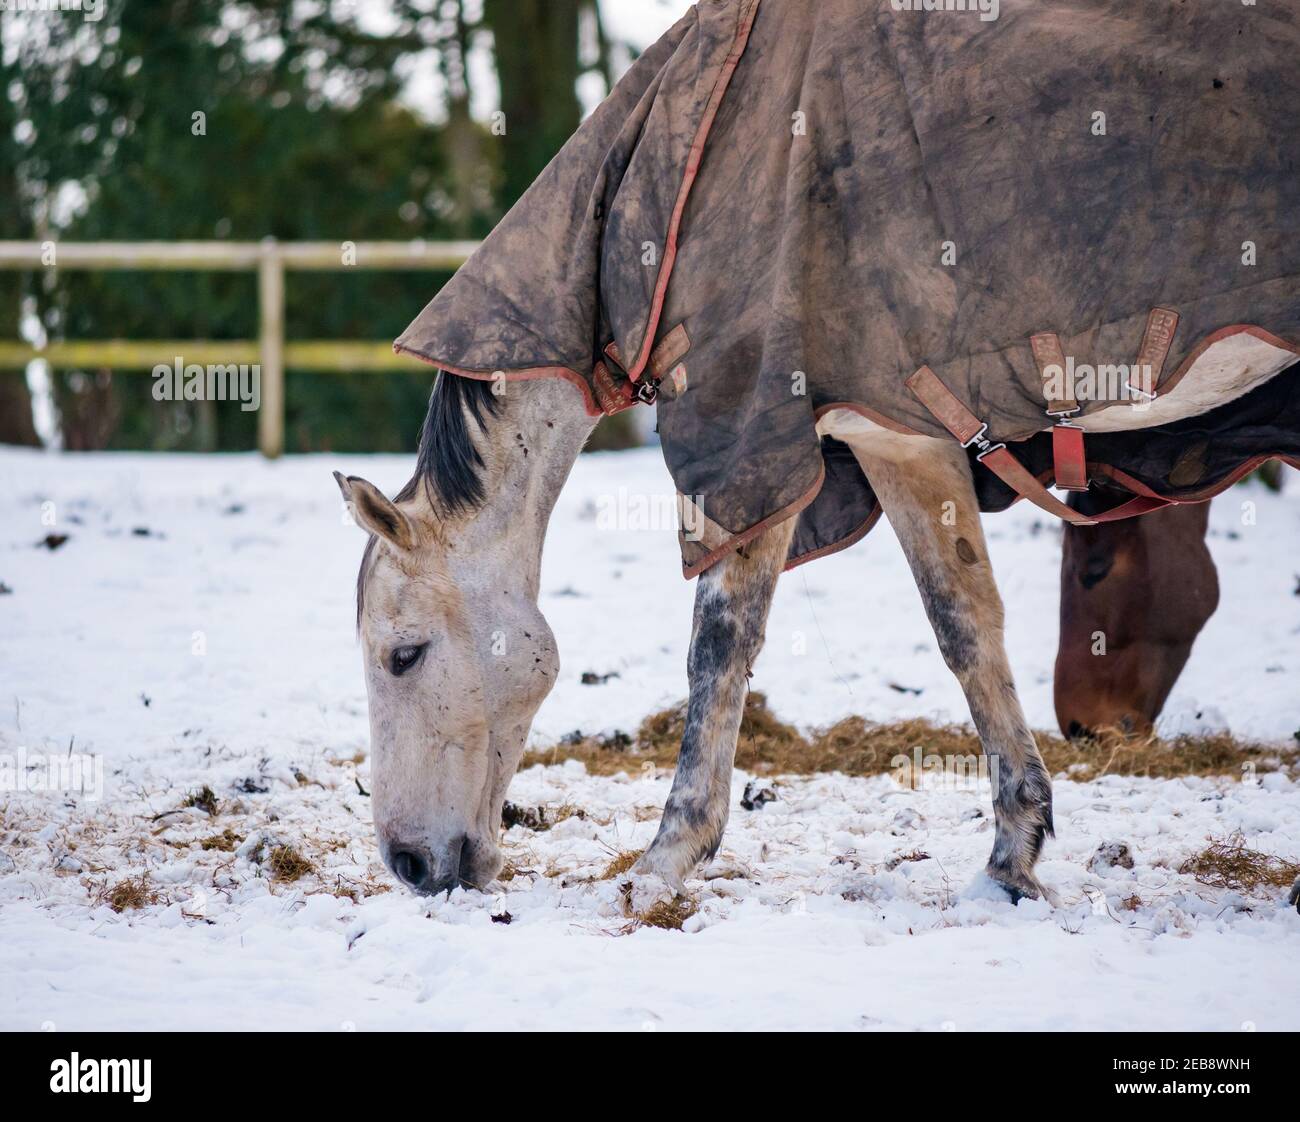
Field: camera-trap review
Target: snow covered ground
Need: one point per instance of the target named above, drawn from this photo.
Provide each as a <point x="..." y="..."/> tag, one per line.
<point x="197" y="628"/>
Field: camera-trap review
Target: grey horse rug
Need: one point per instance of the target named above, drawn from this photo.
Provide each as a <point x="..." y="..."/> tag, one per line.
<point x="1065" y="236"/>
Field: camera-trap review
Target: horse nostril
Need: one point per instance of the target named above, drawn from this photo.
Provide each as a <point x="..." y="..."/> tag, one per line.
<point x="410" y="867"/>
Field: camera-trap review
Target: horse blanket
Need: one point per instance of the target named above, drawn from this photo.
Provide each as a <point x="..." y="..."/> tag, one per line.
<point x="924" y="214"/>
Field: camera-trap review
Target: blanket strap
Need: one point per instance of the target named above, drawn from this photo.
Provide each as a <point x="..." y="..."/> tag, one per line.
<point x="970" y="431"/>
<point x="1157" y="340"/>
<point x="1069" y="459"/>
<point x="614" y="392"/>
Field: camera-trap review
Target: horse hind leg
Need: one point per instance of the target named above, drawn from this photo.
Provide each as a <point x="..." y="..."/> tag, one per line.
<point x="731" y="606"/>
<point x="926" y="490"/>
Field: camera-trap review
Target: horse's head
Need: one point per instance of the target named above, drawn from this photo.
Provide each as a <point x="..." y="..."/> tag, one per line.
<point x="457" y="656"/>
<point x="1134" y="596"/>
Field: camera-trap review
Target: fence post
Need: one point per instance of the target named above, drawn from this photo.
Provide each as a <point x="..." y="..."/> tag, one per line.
<point x="270" y="297"/>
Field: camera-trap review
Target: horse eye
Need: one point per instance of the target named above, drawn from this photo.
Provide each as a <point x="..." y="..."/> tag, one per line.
<point x="402" y="659"/>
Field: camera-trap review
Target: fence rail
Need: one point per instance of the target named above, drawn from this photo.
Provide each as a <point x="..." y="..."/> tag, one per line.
<point x="269" y="259"/>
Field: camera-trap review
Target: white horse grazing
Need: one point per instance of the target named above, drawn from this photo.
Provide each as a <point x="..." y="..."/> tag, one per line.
<point x="937" y="265"/>
<point x="452" y="567"/>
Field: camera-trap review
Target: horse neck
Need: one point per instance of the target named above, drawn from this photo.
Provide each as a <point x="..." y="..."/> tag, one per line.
<point x="528" y="448"/>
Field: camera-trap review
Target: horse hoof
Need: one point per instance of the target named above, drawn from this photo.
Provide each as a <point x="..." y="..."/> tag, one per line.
<point x="999" y="885"/>
<point x="644" y="890"/>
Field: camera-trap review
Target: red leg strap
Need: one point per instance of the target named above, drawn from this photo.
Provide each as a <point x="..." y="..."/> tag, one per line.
<point x="1071" y="464"/>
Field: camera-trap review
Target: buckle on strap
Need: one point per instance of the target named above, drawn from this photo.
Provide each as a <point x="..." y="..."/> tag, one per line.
<point x="982" y="442"/>
<point x="647" y="390"/>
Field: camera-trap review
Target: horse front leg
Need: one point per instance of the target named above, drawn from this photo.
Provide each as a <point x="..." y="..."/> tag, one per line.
<point x="731" y="605"/>
<point x="926" y="490"/>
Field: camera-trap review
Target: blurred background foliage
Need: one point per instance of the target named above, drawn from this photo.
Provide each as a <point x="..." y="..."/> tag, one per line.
<point x="305" y="135"/>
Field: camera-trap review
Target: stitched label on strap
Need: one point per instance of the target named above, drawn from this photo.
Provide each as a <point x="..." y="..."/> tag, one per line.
<point x="614" y="395"/>
<point x="1049" y="356"/>
<point x="1154" y="352"/>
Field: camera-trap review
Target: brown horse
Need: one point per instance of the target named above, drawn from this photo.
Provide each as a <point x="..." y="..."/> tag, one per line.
<point x="1134" y="596"/>
<point x="1145" y="588"/>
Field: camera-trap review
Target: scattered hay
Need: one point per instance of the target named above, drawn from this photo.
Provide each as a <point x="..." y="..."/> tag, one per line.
<point x="858" y="747"/>
<point x="1229" y="863"/>
<point x="668" y="915"/>
<point x="510" y="870"/>
<point x="287" y="864"/>
<point x="355" y="890"/>
<point x="621" y="862"/>
<point x="1131" y="903"/>
<point x="134" y="892"/>
<point x="204" y="800"/>
<point x="226" y="841"/>
<point x="1115" y="752"/>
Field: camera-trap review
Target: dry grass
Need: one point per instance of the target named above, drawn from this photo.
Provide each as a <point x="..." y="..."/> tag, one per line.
<point x="856" y="746"/>
<point x="134" y="892"/>
<point x="203" y="799"/>
<point x="1229" y="863"/>
<point x="287" y="864"/>
<point x="226" y="841"/>
<point x="668" y="915"/>
<point x="1113" y="752"/>
<point x="357" y="890"/>
<point x="620" y="863"/>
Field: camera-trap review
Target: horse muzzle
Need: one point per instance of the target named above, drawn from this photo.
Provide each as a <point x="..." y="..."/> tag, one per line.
<point x="428" y="872"/>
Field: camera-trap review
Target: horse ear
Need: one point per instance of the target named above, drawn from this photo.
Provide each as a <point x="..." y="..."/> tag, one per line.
<point x="374" y="512"/>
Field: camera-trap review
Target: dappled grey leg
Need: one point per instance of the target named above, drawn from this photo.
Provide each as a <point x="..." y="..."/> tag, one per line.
<point x="731" y="605"/>
<point x="926" y="490"/>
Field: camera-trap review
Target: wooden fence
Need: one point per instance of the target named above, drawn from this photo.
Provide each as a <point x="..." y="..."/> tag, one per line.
<point x="270" y="260"/>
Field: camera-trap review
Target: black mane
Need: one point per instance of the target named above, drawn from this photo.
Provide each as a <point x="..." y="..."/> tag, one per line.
<point x="448" y="464"/>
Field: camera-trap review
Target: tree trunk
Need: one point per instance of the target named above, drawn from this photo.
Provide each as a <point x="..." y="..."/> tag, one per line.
<point x="537" y="65"/>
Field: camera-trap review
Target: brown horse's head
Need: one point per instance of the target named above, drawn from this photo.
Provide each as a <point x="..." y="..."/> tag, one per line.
<point x="1134" y="596"/>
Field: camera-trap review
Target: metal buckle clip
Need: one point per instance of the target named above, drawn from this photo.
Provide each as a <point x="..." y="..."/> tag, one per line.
<point x="981" y="440"/>
<point x="647" y="390"/>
